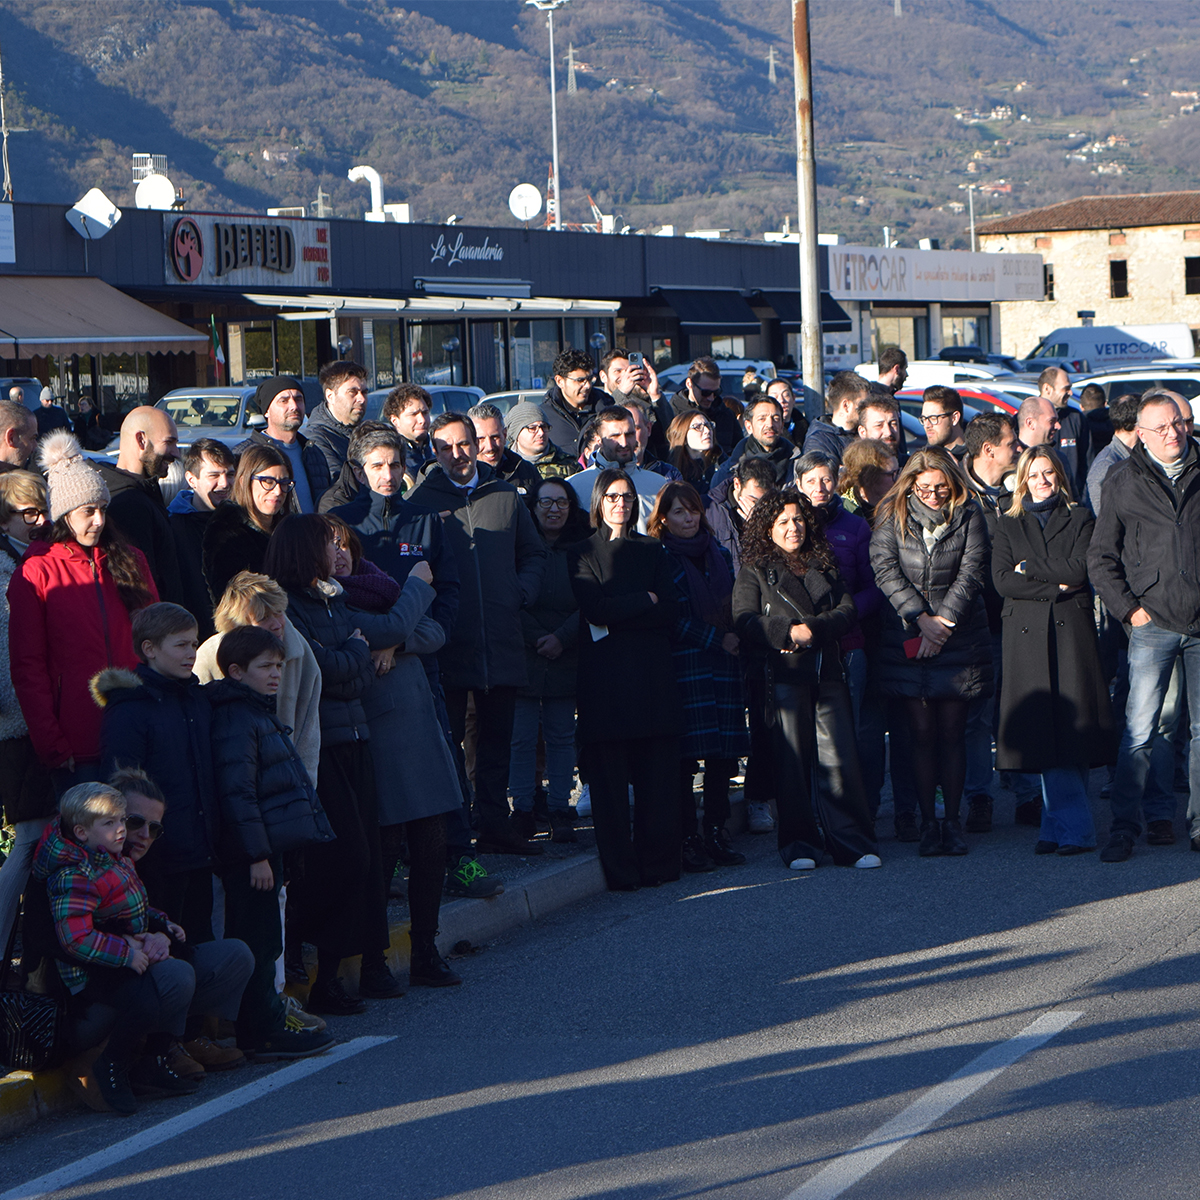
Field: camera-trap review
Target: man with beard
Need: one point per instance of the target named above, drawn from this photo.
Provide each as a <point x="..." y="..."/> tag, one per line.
<point x="638" y="383"/>
<point x="570" y="403"/>
<point x="344" y="384"/>
<point x="618" y="448"/>
<point x="281" y="400"/>
<point x="149" y="445"/>
<point x="491" y="437"/>
<point x="763" y="421"/>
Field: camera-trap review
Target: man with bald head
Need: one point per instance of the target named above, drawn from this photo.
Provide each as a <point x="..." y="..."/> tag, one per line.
<point x="1054" y="384"/>
<point x="1037" y="422"/>
<point x="18" y="435"/>
<point x="149" y="445"/>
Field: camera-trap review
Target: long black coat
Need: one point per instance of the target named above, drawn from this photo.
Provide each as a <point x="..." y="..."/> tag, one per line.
<point x="626" y="686"/>
<point x="945" y="582"/>
<point x="232" y="543"/>
<point x="1054" y="706"/>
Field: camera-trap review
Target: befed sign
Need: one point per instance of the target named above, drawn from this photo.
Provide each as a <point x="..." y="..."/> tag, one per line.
<point x="228" y="251"/>
<point x="873" y="273"/>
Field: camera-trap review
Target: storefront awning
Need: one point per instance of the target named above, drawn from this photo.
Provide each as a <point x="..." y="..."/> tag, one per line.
<point x="834" y="318"/>
<point x="425" y="308"/>
<point x="711" y="310"/>
<point x="58" y="315"/>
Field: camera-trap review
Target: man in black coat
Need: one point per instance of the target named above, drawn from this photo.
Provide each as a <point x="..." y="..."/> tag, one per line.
<point x="702" y="390"/>
<point x="763" y="420"/>
<point x="847" y="389"/>
<point x="501" y="559"/>
<point x="208" y="467"/>
<point x="280" y="400"/>
<point x="406" y="409"/>
<point x="344" y="384"/>
<point x="491" y="438"/>
<point x="571" y="400"/>
<point x="1144" y="561"/>
<point x="1054" y="384"/>
<point x="149" y="445"/>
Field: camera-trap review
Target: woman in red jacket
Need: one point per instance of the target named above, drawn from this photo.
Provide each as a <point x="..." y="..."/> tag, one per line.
<point x="70" y="603"/>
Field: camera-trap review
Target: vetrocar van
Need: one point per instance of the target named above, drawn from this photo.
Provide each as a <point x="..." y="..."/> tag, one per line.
<point x="1105" y="347"/>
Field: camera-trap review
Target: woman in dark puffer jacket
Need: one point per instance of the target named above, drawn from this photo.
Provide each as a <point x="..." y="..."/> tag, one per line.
<point x="930" y="551"/>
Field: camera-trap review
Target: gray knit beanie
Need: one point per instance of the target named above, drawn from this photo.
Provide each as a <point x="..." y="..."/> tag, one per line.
<point x="521" y="416"/>
<point x="71" y="481"/>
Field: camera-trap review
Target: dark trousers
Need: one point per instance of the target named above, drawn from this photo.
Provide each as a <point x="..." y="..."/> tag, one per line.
<point x="252" y="916"/>
<point x="185" y="896"/>
<point x="648" y="852"/>
<point x="124" y="1007"/>
<point x="340" y="897"/>
<point x="717" y="774"/>
<point x="426" y="868"/>
<point x="819" y="795"/>
<point x="494" y="708"/>
<point x="459" y="839"/>
<point x="760" y="766"/>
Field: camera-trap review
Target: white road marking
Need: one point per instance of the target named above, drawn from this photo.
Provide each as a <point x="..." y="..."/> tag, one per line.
<point x="845" y="1171"/>
<point x="93" y="1164"/>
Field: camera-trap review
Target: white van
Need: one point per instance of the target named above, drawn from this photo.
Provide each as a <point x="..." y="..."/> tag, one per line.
<point x="1106" y="347"/>
<point x="925" y="372"/>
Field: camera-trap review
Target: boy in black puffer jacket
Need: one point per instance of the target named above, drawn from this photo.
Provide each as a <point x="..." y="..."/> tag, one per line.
<point x="268" y="807"/>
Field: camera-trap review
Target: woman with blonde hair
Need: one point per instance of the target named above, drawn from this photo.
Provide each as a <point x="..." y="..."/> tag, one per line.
<point x="1055" y="716"/>
<point x="929" y="553"/>
<point x="694" y="450"/>
<point x="869" y="469"/>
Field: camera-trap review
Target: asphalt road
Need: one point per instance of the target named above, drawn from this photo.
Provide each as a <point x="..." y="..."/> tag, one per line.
<point x="737" y="1035"/>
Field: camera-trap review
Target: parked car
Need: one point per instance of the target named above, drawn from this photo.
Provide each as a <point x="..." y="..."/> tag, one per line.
<point x="1184" y="380"/>
<point x="732" y="370"/>
<point x="978" y="399"/>
<point x="443" y="398"/>
<point x="221" y="413"/>
<point x="976" y="354"/>
<point x="31" y="389"/>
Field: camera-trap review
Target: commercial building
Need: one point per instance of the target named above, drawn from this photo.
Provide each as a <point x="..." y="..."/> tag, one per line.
<point x="1132" y="260"/>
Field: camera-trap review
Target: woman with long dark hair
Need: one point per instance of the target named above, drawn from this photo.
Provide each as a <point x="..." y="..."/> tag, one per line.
<point x="1055" y="715"/>
<point x="791" y="608"/>
<point x="70" y="603"/>
<point x="237" y="534"/>
<point x="929" y="552"/>
<point x="694" y="450"/>
<point x="630" y="716"/>
<point x="705" y="648"/>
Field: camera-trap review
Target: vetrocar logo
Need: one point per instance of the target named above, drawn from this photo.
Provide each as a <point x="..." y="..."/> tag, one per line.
<point x="187" y="249"/>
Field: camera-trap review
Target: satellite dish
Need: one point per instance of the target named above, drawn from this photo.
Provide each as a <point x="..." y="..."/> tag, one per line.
<point x="94" y="215"/>
<point x="155" y="191"/>
<point x="525" y="202"/>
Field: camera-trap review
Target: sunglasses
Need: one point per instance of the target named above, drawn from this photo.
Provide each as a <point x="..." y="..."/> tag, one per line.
<point x="134" y="822"/>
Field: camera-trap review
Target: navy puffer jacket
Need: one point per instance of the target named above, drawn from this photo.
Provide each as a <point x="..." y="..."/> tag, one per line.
<point x="268" y="805"/>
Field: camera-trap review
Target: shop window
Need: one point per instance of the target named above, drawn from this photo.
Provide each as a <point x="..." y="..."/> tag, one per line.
<point x="1118" y="279"/>
<point x="1048" y="281"/>
<point x="1191" y="276"/>
<point x="488" y="354"/>
<point x="431" y="360"/>
<point x="664" y="352"/>
<point x="259" y="342"/>
<point x="729" y="347"/>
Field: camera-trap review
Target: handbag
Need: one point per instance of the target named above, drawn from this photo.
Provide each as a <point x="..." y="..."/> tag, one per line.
<point x="32" y="1027"/>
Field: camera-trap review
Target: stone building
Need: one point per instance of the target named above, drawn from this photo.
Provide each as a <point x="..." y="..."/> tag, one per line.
<point x="1132" y="260"/>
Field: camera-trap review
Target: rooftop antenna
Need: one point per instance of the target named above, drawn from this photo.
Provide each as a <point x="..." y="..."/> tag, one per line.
<point x="321" y="209"/>
<point x="572" y="86"/>
<point x="771" y="64"/>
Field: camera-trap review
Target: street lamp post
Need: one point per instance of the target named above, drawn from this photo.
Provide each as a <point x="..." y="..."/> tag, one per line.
<point x="450" y="346"/>
<point x="548" y="7"/>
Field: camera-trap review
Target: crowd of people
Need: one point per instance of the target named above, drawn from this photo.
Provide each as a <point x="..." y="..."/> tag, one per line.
<point x="436" y="636"/>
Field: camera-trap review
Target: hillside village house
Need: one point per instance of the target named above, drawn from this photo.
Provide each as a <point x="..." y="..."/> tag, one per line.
<point x="1132" y="260"/>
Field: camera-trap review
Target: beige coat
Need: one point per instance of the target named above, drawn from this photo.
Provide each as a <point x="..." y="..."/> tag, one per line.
<point x="299" y="691"/>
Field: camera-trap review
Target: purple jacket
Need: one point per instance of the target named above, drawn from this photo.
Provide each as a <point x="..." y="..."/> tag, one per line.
<point x="850" y="539"/>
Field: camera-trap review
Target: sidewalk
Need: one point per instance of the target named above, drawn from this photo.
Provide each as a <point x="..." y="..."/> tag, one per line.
<point x="533" y="889"/>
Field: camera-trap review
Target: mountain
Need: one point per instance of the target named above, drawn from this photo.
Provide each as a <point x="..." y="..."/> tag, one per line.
<point x="674" y="120"/>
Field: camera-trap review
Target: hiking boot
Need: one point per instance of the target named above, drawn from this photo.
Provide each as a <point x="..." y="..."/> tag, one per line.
<point x="210" y="1056"/>
<point x="758" y="818"/>
<point x="332" y="1000"/>
<point x="376" y="982"/>
<point x="906" y="828"/>
<point x="716" y="843"/>
<point x="979" y="814"/>
<point x="562" y="826"/>
<point x="292" y="1008"/>
<point x="524" y="825"/>
<point x="183" y="1064"/>
<point x="292" y="1041"/>
<point x="152" y="1075"/>
<point x="695" y="860"/>
<point x="471" y="881"/>
<point x="427" y="968"/>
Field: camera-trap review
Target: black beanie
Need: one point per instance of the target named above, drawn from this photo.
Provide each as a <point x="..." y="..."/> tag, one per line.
<point x="270" y="388"/>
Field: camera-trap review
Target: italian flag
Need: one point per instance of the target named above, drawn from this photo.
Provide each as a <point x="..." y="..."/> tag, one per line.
<point x="214" y="351"/>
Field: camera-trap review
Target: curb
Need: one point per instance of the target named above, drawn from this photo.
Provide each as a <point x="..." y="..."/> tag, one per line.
<point x="26" y="1098"/>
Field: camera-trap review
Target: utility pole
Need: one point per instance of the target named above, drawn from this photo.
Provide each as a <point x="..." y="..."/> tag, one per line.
<point x="971" y="205"/>
<point x="7" y="193"/>
<point x="572" y="86"/>
<point x="811" y="365"/>
<point x="548" y="7"/>
<point x="771" y="65"/>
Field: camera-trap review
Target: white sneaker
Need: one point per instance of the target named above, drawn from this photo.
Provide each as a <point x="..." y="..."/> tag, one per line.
<point x="803" y="864"/>
<point x="583" y="806"/>
<point x="869" y="860"/>
<point x="758" y="818"/>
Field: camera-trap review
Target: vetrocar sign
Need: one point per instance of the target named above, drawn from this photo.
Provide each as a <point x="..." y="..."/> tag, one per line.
<point x="233" y="252"/>
<point x="873" y="273"/>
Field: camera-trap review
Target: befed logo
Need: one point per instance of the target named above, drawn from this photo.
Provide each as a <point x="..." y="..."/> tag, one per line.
<point x="187" y="249"/>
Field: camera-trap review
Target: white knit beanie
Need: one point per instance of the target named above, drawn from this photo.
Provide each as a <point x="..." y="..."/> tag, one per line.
<point x="71" y="481"/>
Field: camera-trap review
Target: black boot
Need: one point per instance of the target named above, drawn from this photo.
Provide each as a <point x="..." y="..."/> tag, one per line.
<point x="695" y="859"/>
<point x="562" y="826"/>
<point x="716" y="842"/>
<point x="952" y="838"/>
<point x="375" y="981"/>
<point x="426" y="967"/>
<point x="931" y="839"/>
<point x="328" y="998"/>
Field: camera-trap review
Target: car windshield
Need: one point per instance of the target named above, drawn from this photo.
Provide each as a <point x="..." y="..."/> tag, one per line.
<point x="190" y="412"/>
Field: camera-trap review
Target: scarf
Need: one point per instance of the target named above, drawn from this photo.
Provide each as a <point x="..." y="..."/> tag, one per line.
<point x="934" y="523"/>
<point x="1041" y="508"/>
<point x="709" y="582"/>
<point x="369" y="588"/>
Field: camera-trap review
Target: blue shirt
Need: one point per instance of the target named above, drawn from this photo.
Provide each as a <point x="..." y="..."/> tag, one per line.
<point x="303" y="492"/>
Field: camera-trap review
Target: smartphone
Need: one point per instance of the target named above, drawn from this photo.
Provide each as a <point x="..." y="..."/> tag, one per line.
<point x="637" y="358"/>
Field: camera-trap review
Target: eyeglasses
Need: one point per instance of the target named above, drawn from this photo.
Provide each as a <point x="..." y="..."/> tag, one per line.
<point x="269" y="483"/>
<point x="539" y="428"/>
<point x="938" y="489"/>
<point x="1162" y="430"/>
<point x="893" y="475"/>
<point x="338" y="544"/>
<point x="32" y="516"/>
<point x="699" y="427"/>
<point x="546" y="502"/>
<point x="619" y="497"/>
<point x="579" y="380"/>
<point x="135" y="821"/>
<point x="934" y="418"/>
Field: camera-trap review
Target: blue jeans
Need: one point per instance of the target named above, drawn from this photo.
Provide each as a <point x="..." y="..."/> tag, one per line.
<point x="1153" y="652"/>
<point x="556" y="714"/>
<point x="1066" y="813"/>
